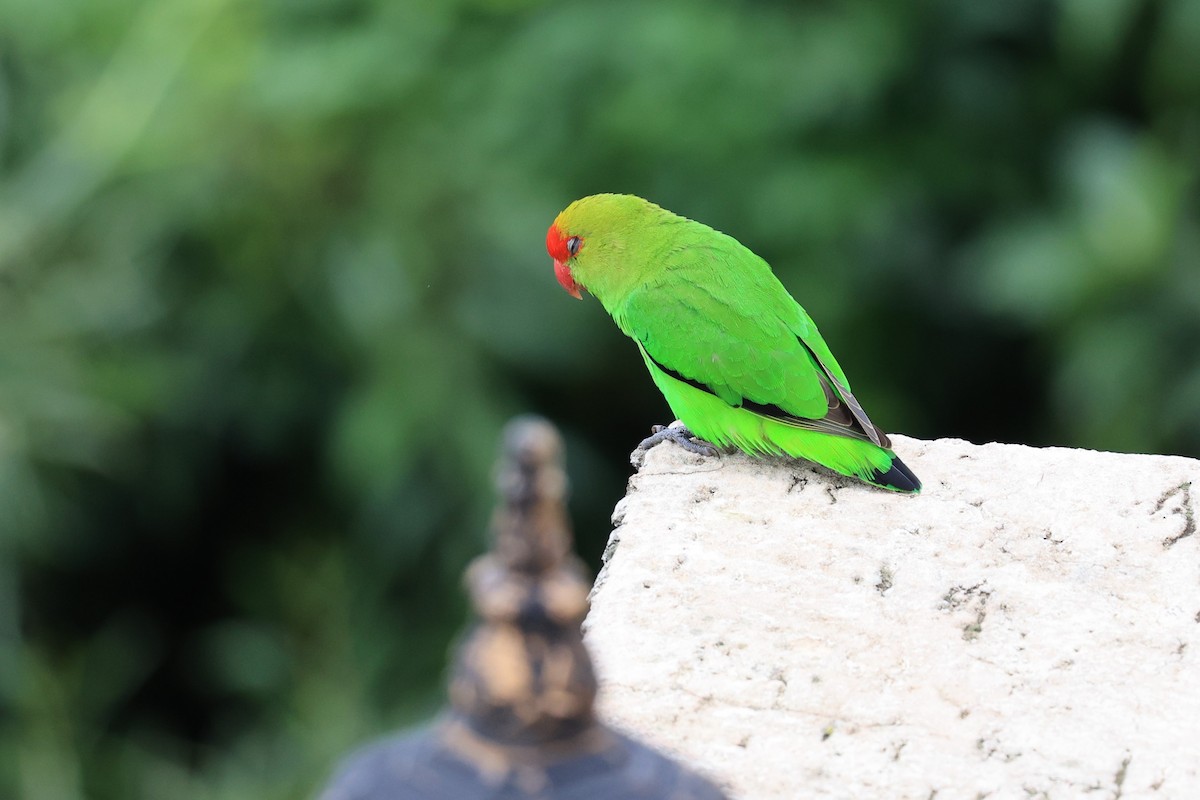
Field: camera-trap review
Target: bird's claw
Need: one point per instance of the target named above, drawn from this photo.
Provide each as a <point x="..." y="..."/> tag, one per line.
<point x="680" y="435"/>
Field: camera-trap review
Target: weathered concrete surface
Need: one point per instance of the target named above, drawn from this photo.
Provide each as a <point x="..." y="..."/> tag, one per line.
<point x="1029" y="626"/>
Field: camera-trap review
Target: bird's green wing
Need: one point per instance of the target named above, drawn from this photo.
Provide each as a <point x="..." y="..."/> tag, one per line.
<point x="749" y="344"/>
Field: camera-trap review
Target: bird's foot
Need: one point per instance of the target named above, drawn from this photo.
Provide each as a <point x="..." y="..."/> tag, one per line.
<point x="679" y="434"/>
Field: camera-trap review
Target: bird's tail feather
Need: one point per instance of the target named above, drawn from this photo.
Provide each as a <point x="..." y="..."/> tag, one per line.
<point x="898" y="478"/>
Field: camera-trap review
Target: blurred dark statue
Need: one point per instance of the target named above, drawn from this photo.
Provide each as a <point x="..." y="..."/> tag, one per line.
<point x="521" y="722"/>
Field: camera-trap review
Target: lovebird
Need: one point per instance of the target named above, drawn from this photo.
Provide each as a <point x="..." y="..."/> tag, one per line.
<point x="737" y="359"/>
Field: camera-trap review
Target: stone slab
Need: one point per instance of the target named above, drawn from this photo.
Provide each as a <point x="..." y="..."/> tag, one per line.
<point x="1028" y="626"/>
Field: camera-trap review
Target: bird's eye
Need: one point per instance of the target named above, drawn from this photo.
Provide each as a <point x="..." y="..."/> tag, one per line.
<point x="573" y="245"/>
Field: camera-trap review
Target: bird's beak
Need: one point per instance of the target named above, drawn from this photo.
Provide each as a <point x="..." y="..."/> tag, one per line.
<point x="563" y="273"/>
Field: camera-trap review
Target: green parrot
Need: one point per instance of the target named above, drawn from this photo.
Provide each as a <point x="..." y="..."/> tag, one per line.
<point x="737" y="359"/>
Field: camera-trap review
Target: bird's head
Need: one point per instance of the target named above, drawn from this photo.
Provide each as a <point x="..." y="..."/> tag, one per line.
<point x="600" y="244"/>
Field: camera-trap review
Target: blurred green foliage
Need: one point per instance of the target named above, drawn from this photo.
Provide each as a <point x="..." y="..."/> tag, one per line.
<point x="272" y="277"/>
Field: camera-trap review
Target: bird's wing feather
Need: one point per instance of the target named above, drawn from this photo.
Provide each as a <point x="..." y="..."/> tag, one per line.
<point x="739" y="335"/>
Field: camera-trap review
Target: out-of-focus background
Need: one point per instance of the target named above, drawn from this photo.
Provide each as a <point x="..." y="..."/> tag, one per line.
<point x="272" y="276"/>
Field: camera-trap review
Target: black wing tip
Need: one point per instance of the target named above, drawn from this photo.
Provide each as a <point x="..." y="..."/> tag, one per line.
<point x="898" y="478"/>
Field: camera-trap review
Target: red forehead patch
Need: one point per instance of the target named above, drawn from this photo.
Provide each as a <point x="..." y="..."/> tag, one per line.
<point x="556" y="244"/>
